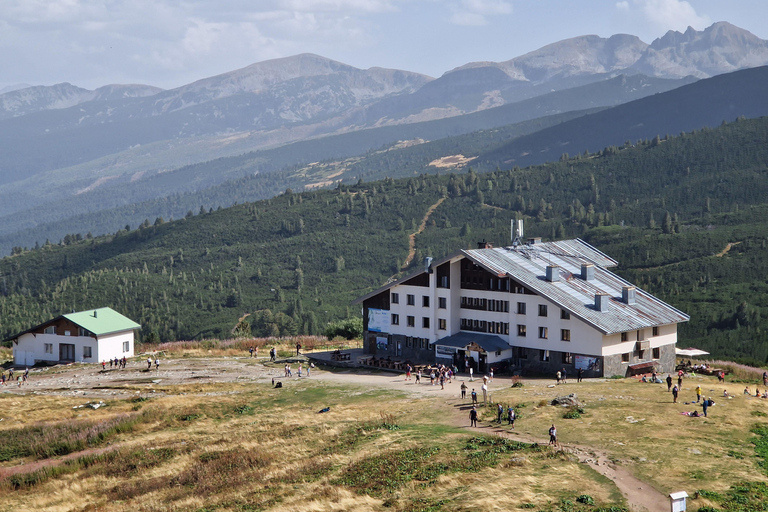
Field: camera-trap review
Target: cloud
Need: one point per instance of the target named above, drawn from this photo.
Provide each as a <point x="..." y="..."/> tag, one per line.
<point x="666" y="14"/>
<point x="477" y="12"/>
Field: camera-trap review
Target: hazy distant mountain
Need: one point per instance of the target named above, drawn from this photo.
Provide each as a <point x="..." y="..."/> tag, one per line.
<point x="28" y="100"/>
<point x="720" y="48"/>
<point x="84" y="140"/>
<point x="13" y="87"/>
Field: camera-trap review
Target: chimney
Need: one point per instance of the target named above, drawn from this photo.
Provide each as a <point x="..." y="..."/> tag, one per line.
<point x="94" y="313"/>
<point x="601" y="302"/>
<point x="484" y="245"/>
<point x="587" y="271"/>
<point x="428" y="265"/>
<point x="553" y="273"/>
<point x="628" y="295"/>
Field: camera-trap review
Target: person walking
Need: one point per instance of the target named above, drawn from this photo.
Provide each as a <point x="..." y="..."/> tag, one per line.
<point x="580" y="375"/>
<point x="559" y="376"/>
<point x="298" y="348"/>
<point x="149" y="363"/>
<point x="463" y="391"/>
<point x="484" y="389"/>
<point x="473" y="417"/>
<point x="251" y="351"/>
<point x="563" y="375"/>
<point x="157" y="364"/>
<point x="499" y="412"/>
<point x="674" y="394"/>
<point x="669" y="382"/>
<point x="552" y="435"/>
<point x="474" y="396"/>
<point x="408" y="372"/>
<point x="680" y="381"/>
<point x="698" y="393"/>
<point x="511" y="416"/>
<point x="705" y="406"/>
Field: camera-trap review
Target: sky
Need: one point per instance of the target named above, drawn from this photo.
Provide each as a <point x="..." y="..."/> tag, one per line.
<point x="169" y="43"/>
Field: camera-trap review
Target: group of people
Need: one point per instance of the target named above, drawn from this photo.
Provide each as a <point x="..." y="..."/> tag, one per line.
<point x="149" y="363"/>
<point x="300" y="371"/>
<point x="440" y="374"/>
<point x="20" y="378"/>
<point x="116" y="363"/>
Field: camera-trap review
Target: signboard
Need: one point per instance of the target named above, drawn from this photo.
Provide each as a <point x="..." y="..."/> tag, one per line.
<point x="378" y="320"/>
<point x="445" y="351"/>
<point x="382" y="343"/>
<point x="587" y="363"/>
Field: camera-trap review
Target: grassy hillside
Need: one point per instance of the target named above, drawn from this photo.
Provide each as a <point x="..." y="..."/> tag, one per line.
<point x="665" y="209"/>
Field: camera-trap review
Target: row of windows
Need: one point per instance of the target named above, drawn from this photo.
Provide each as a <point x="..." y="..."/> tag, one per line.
<point x="485" y="304"/>
<point x="410" y="321"/>
<point x="522" y="331"/>
<point x="417" y="343"/>
<point x="51" y="329"/>
<point x="411" y="300"/>
<point x="544" y="355"/>
<point x="484" y="326"/>
<point x="639" y="334"/>
<point x="656" y="354"/>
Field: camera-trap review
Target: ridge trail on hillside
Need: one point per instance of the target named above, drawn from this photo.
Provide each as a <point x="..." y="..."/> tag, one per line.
<point x="412" y="236"/>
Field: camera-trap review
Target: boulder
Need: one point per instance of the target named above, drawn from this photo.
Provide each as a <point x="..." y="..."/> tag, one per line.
<point x="566" y="401"/>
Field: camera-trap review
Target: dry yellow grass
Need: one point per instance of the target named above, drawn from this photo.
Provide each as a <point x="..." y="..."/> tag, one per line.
<point x="244" y="446"/>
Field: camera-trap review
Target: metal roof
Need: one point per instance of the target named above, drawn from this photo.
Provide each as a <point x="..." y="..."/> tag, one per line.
<point x="99" y="321"/>
<point x="102" y="321"/>
<point x="527" y="264"/>
<point x="489" y="343"/>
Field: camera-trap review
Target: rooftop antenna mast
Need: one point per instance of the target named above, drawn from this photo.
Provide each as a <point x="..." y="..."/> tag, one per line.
<point x="517" y="235"/>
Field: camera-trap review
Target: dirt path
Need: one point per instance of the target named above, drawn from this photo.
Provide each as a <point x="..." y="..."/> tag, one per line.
<point x="90" y="382"/>
<point x="726" y="250"/>
<point x="641" y="496"/>
<point x="412" y="236"/>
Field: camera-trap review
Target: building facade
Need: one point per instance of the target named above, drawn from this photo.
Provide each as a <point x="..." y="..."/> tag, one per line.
<point x="538" y="307"/>
<point x="88" y="336"/>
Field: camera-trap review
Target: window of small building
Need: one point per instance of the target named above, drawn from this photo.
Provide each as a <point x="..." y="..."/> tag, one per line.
<point x="656" y="353"/>
<point x="625" y="357"/>
<point x="625" y="336"/>
<point x="521" y="308"/>
<point x="567" y="358"/>
<point x="126" y="346"/>
<point x="565" y="334"/>
<point x="48" y="348"/>
<point x="542" y="310"/>
<point x="83" y="332"/>
<point x="655" y="330"/>
<point x="442" y="302"/>
<point x="521" y="330"/>
<point x="395" y="298"/>
<point x="411" y="300"/>
<point x="51" y="329"/>
<point x="87" y="353"/>
<point x="544" y="355"/>
<point x="425" y="322"/>
<point x="411" y="321"/>
<point x="395" y="319"/>
<point x="543" y="333"/>
<point x="564" y="315"/>
<point x="422" y="342"/>
<point x="442" y="324"/>
<point x="425" y="301"/>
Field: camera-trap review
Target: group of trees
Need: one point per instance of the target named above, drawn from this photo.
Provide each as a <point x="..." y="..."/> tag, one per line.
<point x="292" y="264"/>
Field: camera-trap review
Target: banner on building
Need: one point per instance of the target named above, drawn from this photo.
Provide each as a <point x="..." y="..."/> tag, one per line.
<point x="587" y="363"/>
<point x="382" y="343"/>
<point x="378" y="320"/>
<point x="445" y="351"/>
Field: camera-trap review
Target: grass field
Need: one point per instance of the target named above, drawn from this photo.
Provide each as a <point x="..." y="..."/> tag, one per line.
<point x="246" y="447"/>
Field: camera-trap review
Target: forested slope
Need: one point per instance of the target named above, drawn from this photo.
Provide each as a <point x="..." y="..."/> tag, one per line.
<point x="666" y="209"/>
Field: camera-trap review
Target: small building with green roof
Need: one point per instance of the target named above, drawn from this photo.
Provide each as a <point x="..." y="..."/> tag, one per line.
<point x="89" y="336"/>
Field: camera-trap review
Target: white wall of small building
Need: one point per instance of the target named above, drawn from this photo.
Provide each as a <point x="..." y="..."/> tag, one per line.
<point x="112" y="346"/>
<point x="613" y="345"/>
<point x="31" y="348"/>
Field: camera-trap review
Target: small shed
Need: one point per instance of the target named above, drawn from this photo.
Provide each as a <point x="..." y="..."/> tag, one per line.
<point x="88" y="336"/>
<point x="677" y="500"/>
